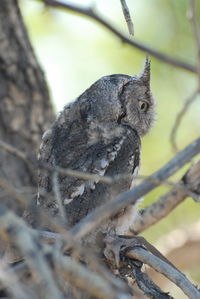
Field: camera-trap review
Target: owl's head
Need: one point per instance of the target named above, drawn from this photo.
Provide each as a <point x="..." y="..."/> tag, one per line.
<point x="120" y="99"/>
<point x="137" y="103"/>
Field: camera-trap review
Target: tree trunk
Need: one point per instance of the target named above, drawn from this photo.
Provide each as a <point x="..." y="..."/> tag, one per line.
<point x="25" y="108"/>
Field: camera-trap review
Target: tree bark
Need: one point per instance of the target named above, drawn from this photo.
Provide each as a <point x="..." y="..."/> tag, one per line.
<point x="25" y="108"/>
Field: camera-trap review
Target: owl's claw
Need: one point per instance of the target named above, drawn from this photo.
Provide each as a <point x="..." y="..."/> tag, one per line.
<point x="117" y="246"/>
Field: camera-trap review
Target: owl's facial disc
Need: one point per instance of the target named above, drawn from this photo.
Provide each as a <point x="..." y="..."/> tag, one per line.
<point x="137" y="107"/>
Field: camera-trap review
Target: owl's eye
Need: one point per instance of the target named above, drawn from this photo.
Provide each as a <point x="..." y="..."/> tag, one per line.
<point x="143" y="106"/>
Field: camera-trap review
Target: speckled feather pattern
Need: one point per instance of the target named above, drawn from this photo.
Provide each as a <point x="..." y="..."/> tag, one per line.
<point x="98" y="133"/>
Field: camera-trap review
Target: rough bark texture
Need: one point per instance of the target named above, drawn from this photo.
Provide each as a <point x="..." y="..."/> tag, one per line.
<point x="25" y="109"/>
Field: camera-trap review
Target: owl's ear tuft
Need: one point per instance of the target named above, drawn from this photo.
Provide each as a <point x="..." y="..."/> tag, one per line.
<point x="145" y="76"/>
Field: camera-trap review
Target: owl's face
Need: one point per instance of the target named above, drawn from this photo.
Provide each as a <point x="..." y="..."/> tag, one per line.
<point x="119" y="100"/>
<point x="138" y="109"/>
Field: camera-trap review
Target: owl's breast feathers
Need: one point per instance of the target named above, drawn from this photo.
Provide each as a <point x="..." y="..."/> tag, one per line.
<point x="87" y="148"/>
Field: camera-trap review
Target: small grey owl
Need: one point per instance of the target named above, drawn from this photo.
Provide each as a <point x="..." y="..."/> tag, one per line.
<point x="99" y="133"/>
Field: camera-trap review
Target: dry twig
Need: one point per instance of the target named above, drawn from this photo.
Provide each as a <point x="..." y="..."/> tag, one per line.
<point x="193" y="19"/>
<point x="167" y="270"/>
<point x="179" y="117"/>
<point x="127" y="17"/>
<point x="89" y="12"/>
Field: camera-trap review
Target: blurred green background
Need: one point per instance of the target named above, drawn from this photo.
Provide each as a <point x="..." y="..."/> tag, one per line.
<point x="75" y="51"/>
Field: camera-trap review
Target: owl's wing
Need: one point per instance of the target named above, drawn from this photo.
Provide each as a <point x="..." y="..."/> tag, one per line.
<point x="101" y="151"/>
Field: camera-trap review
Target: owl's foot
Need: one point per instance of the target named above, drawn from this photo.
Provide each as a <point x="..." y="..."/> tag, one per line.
<point x="119" y="253"/>
<point x="117" y="247"/>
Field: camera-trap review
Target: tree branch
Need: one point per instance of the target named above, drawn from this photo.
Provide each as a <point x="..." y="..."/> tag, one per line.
<point x="167" y="270"/>
<point x="89" y="12"/>
<point x="161" y="208"/>
<point x="103" y="212"/>
<point x="149" y="288"/>
<point x="196" y="32"/>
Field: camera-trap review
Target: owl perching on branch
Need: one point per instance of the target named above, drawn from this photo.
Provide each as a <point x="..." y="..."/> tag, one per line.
<point x="99" y="133"/>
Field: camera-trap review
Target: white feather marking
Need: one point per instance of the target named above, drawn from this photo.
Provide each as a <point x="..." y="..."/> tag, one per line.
<point x="101" y="172"/>
<point x="132" y="160"/>
<point x="134" y="175"/>
<point x="117" y="147"/>
<point x="104" y="163"/>
<point x="78" y="191"/>
<point x="112" y="155"/>
<point x="38" y="199"/>
<point x="92" y="184"/>
<point x="67" y="201"/>
<point x="46" y="134"/>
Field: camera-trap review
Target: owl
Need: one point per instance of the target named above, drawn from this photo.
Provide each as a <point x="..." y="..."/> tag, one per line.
<point x="99" y="133"/>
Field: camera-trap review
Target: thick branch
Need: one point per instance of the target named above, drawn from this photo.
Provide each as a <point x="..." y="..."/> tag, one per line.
<point x="89" y="12"/>
<point x="149" y="288"/>
<point x="161" y="208"/>
<point x="171" y="273"/>
<point x="130" y="197"/>
<point x="181" y="247"/>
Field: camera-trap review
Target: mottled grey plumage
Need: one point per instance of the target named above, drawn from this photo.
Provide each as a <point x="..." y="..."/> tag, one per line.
<point x="99" y="133"/>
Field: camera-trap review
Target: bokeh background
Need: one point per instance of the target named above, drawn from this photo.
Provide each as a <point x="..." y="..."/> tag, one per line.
<point x="75" y="51"/>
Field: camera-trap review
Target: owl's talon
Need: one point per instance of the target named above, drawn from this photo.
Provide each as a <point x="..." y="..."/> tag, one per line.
<point x="117" y="246"/>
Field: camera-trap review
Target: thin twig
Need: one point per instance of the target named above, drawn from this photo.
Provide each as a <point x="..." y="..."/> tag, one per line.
<point x="179" y="118"/>
<point x="17" y="153"/>
<point x="193" y="19"/>
<point x="89" y="12"/>
<point x="127" y="17"/>
<point x="167" y="270"/>
<point x="69" y="172"/>
<point x="74" y="173"/>
<point x="103" y="212"/>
